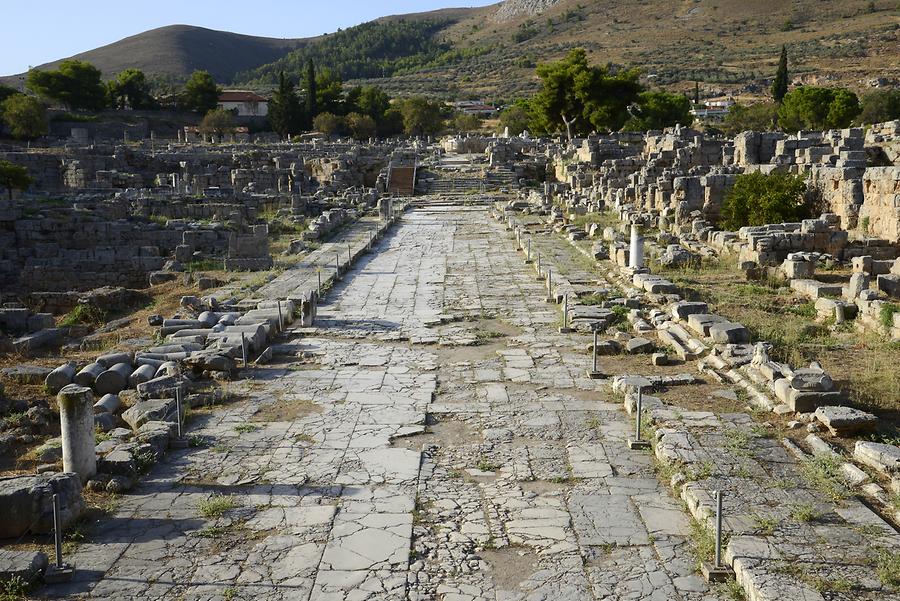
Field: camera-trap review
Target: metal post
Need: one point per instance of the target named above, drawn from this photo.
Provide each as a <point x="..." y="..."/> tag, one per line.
<point x="349" y="255"/>
<point x="549" y="285"/>
<point x="565" y="321"/>
<point x="528" y="251"/>
<point x="178" y="408"/>
<point x="337" y="265"/>
<point x="319" y="276"/>
<point x="637" y="414"/>
<point x="244" y="348"/>
<point x="594" y="359"/>
<point x="280" y="318"/>
<point x="539" y="263"/>
<point x="718" y="563"/>
<point x="57" y="534"/>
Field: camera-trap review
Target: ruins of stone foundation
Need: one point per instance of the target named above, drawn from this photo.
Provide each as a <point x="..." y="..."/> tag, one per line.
<point x="443" y="381"/>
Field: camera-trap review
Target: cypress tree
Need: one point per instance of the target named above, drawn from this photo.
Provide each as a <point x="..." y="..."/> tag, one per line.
<point x="780" y="84"/>
<point x="311" y="108"/>
<point x="285" y="111"/>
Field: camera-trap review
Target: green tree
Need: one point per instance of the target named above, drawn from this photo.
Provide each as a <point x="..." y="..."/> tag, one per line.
<point x="201" y="94"/>
<point x="421" y="116"/>
<point x="818" y="108"/>
<point x="780" y="83"/>
<point x="329" y="124"/>
<point x="6" y="92"/>
<point x="463" y="122"/>
<point x="285" y="111"/>
<point x="658" y="110"/>
<point x="329" y="92"/>
<point x="374" y="102"/>
<point x="758" y="199"/>
<point x="217" y="122"/>
<point x="312" y="108"/>
<point x="362" y="127"/>
<point x="13" y="177"/>
<point x="131" y="89"/>
<point x="76" y="84"/>
<point x="515" y="118"/>
<point x="25" y="116"/>
<point x="392" y="123"/>
<point x="578" y="98"/>
<point x="879" y="106"/>
<point x="755" y="117"/>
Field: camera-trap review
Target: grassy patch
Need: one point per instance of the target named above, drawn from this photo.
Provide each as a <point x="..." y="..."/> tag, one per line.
<point x="216" y="505"/>
<point x="487" y="466"/>
<point x="83" y="314"/>
<point x="14" y="589"/>
<point x="212" y="532"/>
<point x="732" y="591"/>
<point x="886" y="314"/>
<point x="245" y="428"/>
<point x="765" y="524"/>
<point x="700" y="471"/>
<point x="804" y="512"/>
<point x="887" y="566"/>
<point x="823" y="472"/>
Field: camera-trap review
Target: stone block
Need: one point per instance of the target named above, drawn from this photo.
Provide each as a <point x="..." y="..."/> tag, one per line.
<point x="26" y="503"/>
<point x="890" y="285"/>
<point x="843" y="421"/>
<point x="148" y="411"/>
<point x="729" y="333"/>
<point x="883" y="457"/>
<point x="684" y="309"/>
<point x="639" y="345"/>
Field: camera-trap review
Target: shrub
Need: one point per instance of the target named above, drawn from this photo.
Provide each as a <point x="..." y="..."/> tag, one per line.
<point x="758" y="199"/>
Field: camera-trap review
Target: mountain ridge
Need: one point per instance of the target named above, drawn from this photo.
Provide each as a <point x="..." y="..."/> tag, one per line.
<point x="729" y="46"/>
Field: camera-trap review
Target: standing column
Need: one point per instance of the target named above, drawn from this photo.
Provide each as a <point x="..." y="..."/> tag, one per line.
<point x="76" y="416"/>
<point x="636" y="254"/>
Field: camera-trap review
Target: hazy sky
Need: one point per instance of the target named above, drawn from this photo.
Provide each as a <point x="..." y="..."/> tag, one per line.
<point x="34" y="32"/>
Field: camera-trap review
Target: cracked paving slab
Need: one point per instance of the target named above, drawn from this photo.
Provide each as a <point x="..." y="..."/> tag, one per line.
<point x="403" y="450"/>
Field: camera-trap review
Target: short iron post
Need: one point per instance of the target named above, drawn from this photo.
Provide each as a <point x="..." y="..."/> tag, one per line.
<point x="718" y="558"/>
<point x="244" y="348"/>
<point x="57" y="531"/>
<point x="528" y="251"/>
<point x="539" y="263"/>
<point x="594" y="350"/>
<point x="549" y="285"/>
<point x="349" y="255"/>
<point x="178" y="409"/>
<point x="337" y="265"/>
<point x="280" y="318"/>
<point x="565" y="315"/>
<point x="319" y="287"/>
<point x="637" y="414"/>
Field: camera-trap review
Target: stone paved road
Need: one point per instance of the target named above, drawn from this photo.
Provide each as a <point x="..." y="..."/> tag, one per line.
<point x="382" y="459"/>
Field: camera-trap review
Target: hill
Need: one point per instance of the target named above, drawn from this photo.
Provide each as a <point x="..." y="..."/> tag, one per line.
<point x="175" y="51"/>
<point x="728" y="46"/>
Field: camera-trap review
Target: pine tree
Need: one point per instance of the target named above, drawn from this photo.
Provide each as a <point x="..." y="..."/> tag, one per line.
<point x="311" y="107"/>
<point x="285" y="111"/>
<point x="780" y="85"/>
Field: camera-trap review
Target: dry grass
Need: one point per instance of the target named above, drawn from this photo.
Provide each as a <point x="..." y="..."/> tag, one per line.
<point x="862" y="366"/>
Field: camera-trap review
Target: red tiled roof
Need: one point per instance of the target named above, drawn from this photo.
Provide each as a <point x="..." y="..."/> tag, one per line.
<point x="240" y="96"/>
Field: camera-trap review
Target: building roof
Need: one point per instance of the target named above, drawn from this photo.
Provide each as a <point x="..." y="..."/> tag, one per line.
<point x="240" y="96"/>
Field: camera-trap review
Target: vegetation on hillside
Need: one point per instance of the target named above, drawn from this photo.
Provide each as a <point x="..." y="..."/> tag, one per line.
<point x="377" y="49"/>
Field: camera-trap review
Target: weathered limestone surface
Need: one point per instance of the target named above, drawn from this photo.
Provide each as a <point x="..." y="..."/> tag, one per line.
<point x="433" y="436"/>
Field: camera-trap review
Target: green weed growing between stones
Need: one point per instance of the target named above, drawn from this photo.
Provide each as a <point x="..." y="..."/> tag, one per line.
<point x="216" y="505"/>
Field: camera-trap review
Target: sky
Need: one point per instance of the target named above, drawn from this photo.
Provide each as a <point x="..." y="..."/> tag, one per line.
<point x="33" y="32"/>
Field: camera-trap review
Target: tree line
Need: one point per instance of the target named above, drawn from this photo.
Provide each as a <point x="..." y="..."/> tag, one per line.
<point x="318" y="101"/>
<point x="811" y="107"/>
<point x="578" y="98"/>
